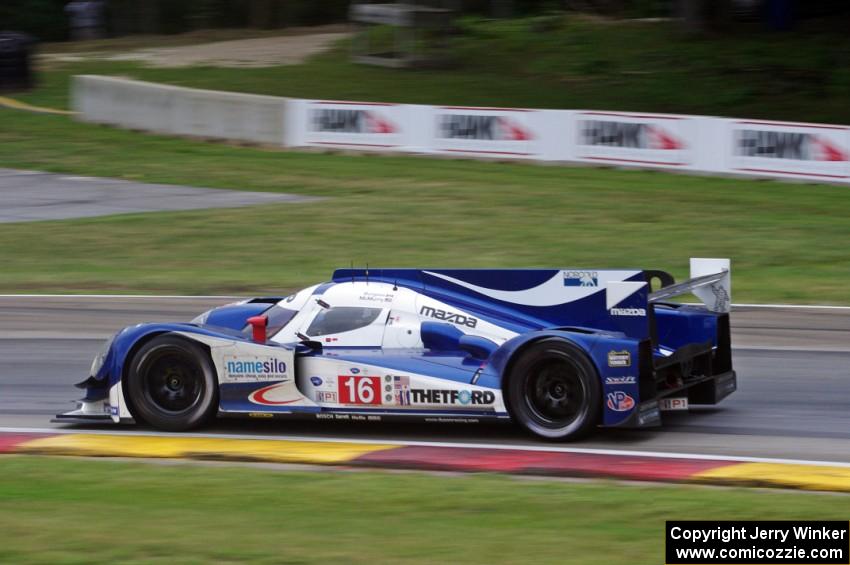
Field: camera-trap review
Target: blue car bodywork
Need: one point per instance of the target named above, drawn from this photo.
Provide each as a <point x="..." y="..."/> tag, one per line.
<point x="441" y="343"/>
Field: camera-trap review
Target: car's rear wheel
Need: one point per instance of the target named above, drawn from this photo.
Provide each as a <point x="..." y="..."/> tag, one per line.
<point x="171" y="384"/>
<point x="553" y="391"/>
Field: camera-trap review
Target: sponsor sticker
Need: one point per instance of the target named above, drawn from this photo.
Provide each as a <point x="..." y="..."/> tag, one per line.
<point x="649" y="139"/>
<point x="633" y="312"/>
<point x="487" y="131"/>
<point x="327" y="396"/>
<point x="243" y="368"/>
<point x="627" y="380"/>
<point x="619" y="401"/>
<point x="450" y="317"/>
<point x="581" y="278"/>
<point x="671" y="404"/>
<point x="401" y="390"/>
<point x="620" y="359"/>
<point x="452" y="397"/>
<point x="798" y="150"/>
<point x="376" y="297"/>
<point x="366" y="125"/>
<point x="359" y="390"/>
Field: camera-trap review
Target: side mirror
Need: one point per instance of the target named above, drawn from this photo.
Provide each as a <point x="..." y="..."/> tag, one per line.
<point x="258" y="326"/>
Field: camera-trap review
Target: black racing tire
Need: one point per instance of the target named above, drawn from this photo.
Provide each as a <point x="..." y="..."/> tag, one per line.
<point x="171" y="384"/>
<point x="553" y="391"/>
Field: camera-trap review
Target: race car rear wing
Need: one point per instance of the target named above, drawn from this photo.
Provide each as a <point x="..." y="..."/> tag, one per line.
<point x="711" y="282"/>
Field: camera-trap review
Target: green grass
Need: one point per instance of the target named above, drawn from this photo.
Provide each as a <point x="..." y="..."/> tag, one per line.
<point x="72" y="511"/>
<point x="576" y="62"/>
<point x="787" y="241"/>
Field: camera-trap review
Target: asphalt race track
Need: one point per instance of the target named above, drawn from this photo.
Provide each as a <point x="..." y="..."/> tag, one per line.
<point x="793" y="369"/>
<point x="29" y="196"/>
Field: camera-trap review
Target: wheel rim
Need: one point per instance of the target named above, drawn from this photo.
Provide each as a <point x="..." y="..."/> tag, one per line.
<point x="172" y="381"/>
<point x="554" y="393"/>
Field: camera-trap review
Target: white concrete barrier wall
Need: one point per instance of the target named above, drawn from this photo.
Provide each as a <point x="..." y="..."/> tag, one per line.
<point x="181" y="111"/>
<point x="816" y="152"/>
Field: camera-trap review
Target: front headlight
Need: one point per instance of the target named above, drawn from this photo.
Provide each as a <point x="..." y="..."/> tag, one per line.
<point x="97" y="364"/>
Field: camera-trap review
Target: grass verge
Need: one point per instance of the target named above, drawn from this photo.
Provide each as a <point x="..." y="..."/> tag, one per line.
<point x="785" y="240"/>
<point x="77" y="511"/>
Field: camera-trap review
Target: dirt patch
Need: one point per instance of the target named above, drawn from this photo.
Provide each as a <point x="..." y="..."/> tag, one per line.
<point x="255" y="52"/>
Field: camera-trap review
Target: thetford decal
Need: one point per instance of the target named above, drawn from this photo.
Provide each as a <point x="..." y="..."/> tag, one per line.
<point x="452" y="397"/>
<point x="795" y="150"/>
<point x="351" y="123"/>
<point x="634" y="138"/>
<point x="497" y="131"/>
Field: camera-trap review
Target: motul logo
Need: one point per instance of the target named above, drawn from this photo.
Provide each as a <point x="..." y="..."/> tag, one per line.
<point x="477" y="127"/>
<point x="632" y="135"/>
<point x="350" y="121"/>
<point x="787" y="145"/>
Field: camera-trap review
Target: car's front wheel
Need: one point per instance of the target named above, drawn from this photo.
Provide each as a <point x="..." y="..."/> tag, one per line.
<point x="171" y="384"/>
<point x="553" y="391"/>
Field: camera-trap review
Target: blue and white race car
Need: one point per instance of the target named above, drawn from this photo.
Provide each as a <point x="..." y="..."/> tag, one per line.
<point x="558" y="351"/>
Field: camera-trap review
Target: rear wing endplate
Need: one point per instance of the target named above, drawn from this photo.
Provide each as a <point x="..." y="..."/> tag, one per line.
<point x="710" y="281"/>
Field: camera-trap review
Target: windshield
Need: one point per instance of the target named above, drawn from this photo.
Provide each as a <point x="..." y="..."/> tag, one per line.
<point x="278" y="318"/>
<point x="342" y="319"/>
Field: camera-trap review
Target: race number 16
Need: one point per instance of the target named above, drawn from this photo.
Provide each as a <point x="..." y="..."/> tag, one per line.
<point x="359" y="390"/>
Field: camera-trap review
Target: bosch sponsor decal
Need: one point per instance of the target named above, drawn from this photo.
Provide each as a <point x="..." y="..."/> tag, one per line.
<point x="619" y="401"/>
<point x="791" y="149"/>
<point x="627" y="380"/>
<point x="452" y="397"/>
<point x="634" y="138"/>
<point x="241" y="368"/>
<point x="496" y="131"/>
<point x="450" y="317"/>
<point x="581" y="278"/>
<point x="354" y="123"/>
<point x="619" y="359"/>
